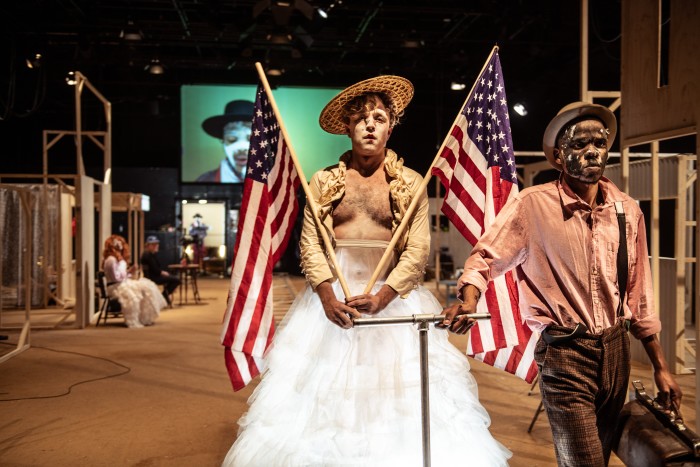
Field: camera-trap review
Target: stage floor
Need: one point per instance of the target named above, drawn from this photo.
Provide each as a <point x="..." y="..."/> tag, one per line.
<point x="160" y="396"/>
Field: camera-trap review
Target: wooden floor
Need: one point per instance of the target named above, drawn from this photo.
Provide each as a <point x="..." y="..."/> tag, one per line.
<point x="160" y="396"/>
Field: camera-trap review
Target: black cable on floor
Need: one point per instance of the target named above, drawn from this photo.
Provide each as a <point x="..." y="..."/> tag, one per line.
<point x="70" y="388"/>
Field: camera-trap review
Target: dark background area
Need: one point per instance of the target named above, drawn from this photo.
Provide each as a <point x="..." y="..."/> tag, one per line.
<point x="211" y="41"/>
<point x="218" y="42"/>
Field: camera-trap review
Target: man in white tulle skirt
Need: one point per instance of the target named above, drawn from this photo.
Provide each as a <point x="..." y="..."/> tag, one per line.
<point x="332" y="394"/>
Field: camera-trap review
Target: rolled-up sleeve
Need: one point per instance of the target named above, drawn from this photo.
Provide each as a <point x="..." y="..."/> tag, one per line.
<point x="502" y="247"/>
<point x="644" y="320"/>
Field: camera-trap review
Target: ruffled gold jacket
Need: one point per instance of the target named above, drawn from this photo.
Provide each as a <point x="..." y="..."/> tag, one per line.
<point x="328" y="186"/>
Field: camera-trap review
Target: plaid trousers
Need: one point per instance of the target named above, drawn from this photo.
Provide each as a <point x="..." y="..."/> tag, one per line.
<point x="583" y="383"/>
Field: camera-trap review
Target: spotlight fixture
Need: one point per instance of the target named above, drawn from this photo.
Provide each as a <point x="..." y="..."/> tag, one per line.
<point x="34" y="61"/>
<point x="322" y="13"/>
<point x="456" y="86"/>
<point x="155" y="67"/>
<point x="131" y="32"/>
<point x="520" y="109"/>
<point x="70" y="78"/>
<point x="282" y="9"/>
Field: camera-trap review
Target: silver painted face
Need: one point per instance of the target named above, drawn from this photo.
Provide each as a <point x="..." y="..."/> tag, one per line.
<point x="582" y="150"/>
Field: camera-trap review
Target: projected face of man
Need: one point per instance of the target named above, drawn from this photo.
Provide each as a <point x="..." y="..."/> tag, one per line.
<point x="236" y="139"/>
<point x="582" y="151"/>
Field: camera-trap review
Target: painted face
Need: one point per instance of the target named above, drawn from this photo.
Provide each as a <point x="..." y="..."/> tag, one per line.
<point x="370" y="130"/>
<point x="236" y="140"/>
<point x="582" y="151"/>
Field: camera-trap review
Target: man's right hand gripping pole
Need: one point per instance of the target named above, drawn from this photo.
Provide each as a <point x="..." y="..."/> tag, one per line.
<point x="457" y="317"/>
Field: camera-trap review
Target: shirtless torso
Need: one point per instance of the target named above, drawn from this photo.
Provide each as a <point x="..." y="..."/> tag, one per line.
<point x="364" y="212"/>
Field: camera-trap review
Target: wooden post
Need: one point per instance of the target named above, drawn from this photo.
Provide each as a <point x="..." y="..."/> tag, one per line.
<point x="584" y="52"/>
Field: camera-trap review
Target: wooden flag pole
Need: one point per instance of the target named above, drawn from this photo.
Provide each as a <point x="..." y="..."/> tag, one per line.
<point x="421" y="188"/>
<point x="309" y="199"/>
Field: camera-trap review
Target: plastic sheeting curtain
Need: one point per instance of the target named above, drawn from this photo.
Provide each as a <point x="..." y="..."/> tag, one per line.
<point x="44" y="205"/>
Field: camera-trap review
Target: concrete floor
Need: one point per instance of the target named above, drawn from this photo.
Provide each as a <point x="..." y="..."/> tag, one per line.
<point x="160" y="396"/>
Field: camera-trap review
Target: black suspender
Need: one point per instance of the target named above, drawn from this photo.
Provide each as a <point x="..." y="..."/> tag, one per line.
<point x="621" y="257"/>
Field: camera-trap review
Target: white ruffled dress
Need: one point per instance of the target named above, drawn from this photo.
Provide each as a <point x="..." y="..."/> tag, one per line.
<point x="336" y="397"/>
<point x="140" y="299"/>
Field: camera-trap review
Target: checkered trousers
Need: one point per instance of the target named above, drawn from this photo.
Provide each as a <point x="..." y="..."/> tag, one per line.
<point x="583" y="384"/>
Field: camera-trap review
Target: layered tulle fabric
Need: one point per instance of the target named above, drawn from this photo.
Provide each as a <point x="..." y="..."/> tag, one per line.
<point x="335" y="397"/>
<point x="141" y="301"/>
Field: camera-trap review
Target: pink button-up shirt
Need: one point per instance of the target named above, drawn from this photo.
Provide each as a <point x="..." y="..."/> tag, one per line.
<point x="565" y="257"/>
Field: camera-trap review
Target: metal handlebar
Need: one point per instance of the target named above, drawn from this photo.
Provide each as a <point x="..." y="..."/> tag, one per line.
<point x="411" y="319"/>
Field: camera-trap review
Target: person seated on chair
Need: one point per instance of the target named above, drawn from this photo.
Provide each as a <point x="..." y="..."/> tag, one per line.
<point x="153" y="271"/>
<point x="140" y="299"/>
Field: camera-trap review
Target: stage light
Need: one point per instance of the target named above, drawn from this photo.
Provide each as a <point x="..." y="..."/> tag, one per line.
<point x="322" y="13"/>
<point x="131" y="32"/>
<point x="520" y="109"/>
<point x="155" y="67"/>
<point x="184" y="201"/>
<point x="33" y="61"/>
<point x="70" y="78"/>
<point x="455" y="86"/>
<point x="202" y="201"/>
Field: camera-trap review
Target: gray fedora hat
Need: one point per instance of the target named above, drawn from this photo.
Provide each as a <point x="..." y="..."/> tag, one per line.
<point x="571" y="112"/>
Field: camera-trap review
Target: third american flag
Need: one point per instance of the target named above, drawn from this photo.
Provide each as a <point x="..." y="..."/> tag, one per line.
<point x="477" y="169"/>
<point x="268" y="210"/>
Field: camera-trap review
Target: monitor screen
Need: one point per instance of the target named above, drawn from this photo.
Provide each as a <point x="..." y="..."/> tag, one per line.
<point x="216" y="126"/>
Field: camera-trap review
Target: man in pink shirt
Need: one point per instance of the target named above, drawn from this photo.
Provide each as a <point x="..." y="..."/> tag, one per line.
<point x="562" y="238"/>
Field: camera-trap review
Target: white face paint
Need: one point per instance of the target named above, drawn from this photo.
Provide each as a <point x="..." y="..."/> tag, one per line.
<point x="370" y="130"/>
<point x="236" y="140"/>
<point x="582" y="151"/>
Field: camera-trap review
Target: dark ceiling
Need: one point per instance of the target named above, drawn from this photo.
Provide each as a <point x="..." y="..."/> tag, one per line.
<point x="216" y="41"/>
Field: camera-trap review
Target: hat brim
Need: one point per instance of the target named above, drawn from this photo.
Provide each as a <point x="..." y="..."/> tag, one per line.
<point x="399" y="90"/>
<point x="573" y="112"/>
<point x="214" y="126"/>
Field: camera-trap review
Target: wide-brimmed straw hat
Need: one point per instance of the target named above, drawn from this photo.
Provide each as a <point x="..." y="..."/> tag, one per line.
<point x="399" y="90"/>
<point x="571" y="112"/>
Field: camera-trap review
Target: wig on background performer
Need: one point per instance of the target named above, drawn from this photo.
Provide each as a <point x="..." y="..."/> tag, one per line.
<point x="337" y="395"/>
<point x="563" y="238"/>
<point x="140" y="299"/>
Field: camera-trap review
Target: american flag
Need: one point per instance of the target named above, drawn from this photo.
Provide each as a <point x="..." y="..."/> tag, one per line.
<point x="477" y="169"/>
<point x="268" y="210"/>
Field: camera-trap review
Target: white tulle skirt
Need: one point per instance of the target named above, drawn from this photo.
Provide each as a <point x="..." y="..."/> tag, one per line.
<point x="141" y="301"/>
<point x="336" y="397"/>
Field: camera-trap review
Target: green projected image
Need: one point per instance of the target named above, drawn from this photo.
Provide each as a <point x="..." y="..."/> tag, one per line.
<point x="216" y="125"/>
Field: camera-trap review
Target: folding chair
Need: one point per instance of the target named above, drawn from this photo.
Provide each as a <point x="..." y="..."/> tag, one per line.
<point x="109" y="306"/>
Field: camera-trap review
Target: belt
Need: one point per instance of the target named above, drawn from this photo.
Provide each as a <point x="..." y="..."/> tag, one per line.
<point x="550" y="339"/>
<point x="579" y="330"/>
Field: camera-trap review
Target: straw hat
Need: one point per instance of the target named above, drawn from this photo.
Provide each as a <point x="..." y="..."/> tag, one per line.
<point x="399" y="90"/>
<point x="571" y="112"/>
